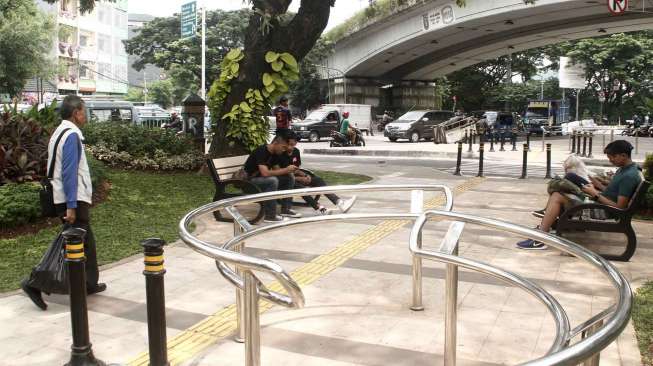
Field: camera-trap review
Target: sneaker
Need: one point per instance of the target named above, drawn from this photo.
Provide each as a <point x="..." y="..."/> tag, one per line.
<point x="99" y="287"/>
<point x="274" y="219"/>
<point x="345" y="205"/>
<point x="291" y="213"/>
<point x="34" y="295"/>
<point x="323" y="211"/>
<point x="530" y="244"/>
<point x="538" y="213"/>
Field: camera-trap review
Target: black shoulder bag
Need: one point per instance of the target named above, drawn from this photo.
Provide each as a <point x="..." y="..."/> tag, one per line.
<point x="46" y="194"/>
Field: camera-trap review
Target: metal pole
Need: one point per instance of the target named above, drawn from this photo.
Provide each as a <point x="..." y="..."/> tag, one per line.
<point x="577" y="103"/>
<point x="480" y="159"/>
<point x="578" y="139"/>
<point x="344" y="85"/>
<point x="589" y="155"/>
<point x="81" y="350"/>
<point x="524" y="172"/>
<point x="636" y="143"/>
<point x="548" y="161"/>
<point x="584" y="154"/>
<point x="156" y="304"/>
<point x="596" y="358"/>
<point x="543" y="138"/>
<point x="417" y="280"/>
<point x="471" y="140"/>
<point x="451" y="313"/>
<point x="573" y="142"/>
<point x="491" y="141"/>
<point x="240" y="295"/>
<point x="513" y="140"/>
<point x="252" y="321"/>
<point x="459" y="158"/>
<point x="528" y="140"/>
<point x="612" y="135"/>
<point x="203" y="53"/>
<point x="603" y="135"/>
<point x="503" y="141"/>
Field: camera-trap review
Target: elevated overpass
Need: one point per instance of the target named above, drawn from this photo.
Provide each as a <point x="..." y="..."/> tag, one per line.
<point x="432" y="38"/>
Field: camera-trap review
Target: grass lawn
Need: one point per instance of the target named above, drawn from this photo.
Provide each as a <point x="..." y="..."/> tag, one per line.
<point x="643" y="321"/>
<point x="140" y="205"/>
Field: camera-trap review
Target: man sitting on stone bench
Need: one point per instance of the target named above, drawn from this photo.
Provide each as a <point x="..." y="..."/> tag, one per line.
<point x="617" y="193"/>
<point x="259" y="169"/>
<point x="303" y="180"/>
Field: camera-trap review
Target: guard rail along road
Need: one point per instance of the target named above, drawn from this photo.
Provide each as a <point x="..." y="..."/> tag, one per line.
<point x="571" y="346"/>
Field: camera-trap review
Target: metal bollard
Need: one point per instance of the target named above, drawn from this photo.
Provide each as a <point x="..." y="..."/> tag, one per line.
<point x="573" y="142"/>
<point x="470" y="140"/>
<point x="570" y="144"/>
<point x="612" y="135"/>
<point x="528" y="140"/>
<point x="155" y="300"/>
<point x="474" y="136"/>
<point x="524" y="173"/>
<point x="503" y="141"/>
<point x="491" y="141"/>
<point x="636" y="143"/>
<point x="578" y="138"/>
<point x="513" y="140"/>
<point x="548" y="161"/>
<point x="465" y="139"/>
<point x="459" y="159"/>
<point x="591" y="137"/>
<point x="82" y="352"/>
<point x="584" y="154"/>
<point x="603" y="134"/>
<point x="451" y="312"/>
<point x="480" y="159"/>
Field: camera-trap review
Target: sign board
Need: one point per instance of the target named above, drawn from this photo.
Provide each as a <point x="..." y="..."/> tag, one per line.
<point x="571" y="76"/>
<point x="538" y="105"/>
<point x="617" y="7"/>
<point x="188" y="19"/>
<point x="438" y="17"/>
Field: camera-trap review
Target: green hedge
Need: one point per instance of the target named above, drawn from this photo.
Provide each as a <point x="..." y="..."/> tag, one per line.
<point x="19" y="204"/>
<point x="136" y="147"/>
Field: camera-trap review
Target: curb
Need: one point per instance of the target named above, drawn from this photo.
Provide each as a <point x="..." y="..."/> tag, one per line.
<point x="389" y="153"/>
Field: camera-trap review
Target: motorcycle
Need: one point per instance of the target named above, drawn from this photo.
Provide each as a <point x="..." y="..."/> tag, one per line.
<point x="340" y="140"/>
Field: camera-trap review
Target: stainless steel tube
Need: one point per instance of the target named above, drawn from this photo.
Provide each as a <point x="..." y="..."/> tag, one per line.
<point x="595" y="360"/>
<point x="451" y="313"/>
<point x="417" y="280"/>
<point x="252" y="321"/>
<point x="240" y="295"/>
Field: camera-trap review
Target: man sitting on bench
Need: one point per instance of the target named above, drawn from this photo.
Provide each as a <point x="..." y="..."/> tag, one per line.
<point x="303" y="179"/>
<point x="616" y="194"/>
<point x="259" y="171"/>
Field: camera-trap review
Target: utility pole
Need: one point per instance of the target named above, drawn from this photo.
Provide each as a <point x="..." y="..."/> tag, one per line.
<point x="145" y="86"/>
<point x="203" y="89"/>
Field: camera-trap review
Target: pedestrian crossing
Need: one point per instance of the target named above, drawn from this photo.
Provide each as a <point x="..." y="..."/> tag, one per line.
<point x="511" y="170"/>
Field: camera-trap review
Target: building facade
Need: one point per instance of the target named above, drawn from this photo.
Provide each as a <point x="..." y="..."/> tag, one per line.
<point x="89" y="49"/>
<point x="151" y="73"/>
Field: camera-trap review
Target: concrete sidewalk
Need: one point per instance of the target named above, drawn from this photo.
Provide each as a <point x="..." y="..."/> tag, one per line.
<point x="357" y="313"/>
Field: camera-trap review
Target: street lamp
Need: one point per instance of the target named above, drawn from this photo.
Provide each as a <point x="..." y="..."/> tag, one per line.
<point x="344" y="78"/>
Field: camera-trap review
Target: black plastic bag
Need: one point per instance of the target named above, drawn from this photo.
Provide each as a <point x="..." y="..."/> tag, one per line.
<point x="51" y="275"/>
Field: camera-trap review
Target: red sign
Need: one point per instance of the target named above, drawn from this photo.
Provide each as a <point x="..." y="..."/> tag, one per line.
<point x="617" y="7"/>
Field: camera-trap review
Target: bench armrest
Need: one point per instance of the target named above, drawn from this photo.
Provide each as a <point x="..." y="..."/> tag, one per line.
<point x="308" y="172"/>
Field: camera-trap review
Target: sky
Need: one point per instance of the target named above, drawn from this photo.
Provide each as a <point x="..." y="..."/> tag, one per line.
<point x="160" y="8"/>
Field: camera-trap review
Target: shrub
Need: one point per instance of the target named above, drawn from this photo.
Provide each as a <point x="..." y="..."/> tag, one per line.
<point x="136" y="147"/>
<point x="23" y="148"/>
<point x="19" y="204"/>
<point x="99" y="172"/>
<point x="648" y="167"/>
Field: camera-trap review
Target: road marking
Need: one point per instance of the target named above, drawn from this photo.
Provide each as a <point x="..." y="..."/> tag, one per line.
<point x="218" y="326"/>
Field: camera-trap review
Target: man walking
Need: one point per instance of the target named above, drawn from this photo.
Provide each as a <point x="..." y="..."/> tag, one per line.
<point x="283" y="116"/>
<point x="72" y="191"/>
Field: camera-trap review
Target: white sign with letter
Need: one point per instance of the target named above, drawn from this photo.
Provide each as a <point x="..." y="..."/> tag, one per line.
<point x="571" y="76"/>
<point x="438" y="17"/>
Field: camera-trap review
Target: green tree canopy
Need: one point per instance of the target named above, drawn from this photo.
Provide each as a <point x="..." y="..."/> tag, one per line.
<point x="25" y="41"/>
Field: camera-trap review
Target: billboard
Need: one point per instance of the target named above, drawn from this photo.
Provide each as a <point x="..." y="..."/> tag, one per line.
<point x="571" y="76"/>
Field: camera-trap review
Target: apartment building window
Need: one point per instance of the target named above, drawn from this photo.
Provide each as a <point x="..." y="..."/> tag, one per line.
<point x="120" y="72"/>
<point x="118" y="47"/>
<point x="87" y="70"/>
<point x="104" y="43"/>
<point x="86" y="39"/>
<point x="104" y="14"/>
<point x="104" y="71"/>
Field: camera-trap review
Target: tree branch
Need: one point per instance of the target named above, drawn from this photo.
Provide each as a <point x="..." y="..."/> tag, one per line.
<point x="305" y="28"/>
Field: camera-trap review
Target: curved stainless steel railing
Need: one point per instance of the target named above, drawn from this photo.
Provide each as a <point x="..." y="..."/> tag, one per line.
<point x="250" y="288"/>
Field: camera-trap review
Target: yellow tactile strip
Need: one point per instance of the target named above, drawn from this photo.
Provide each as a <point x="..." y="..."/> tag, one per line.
<point x="202" y="335"/>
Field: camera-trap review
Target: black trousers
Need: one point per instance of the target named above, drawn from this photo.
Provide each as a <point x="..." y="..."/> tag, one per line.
<point x="317" y="182"/>
<point x="82" y="221"/>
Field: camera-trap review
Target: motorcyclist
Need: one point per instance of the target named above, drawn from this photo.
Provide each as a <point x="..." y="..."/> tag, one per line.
<point x="345" y="129"/>
<point x="175" y="122"/>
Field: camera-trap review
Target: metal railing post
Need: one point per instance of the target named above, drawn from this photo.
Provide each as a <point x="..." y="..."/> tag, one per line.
<point x="596" y="358"/>
<point x="252" y="320"/>
<point x="548" y="161"/>
<point x="459" y="159"/>
<point x="240" y="295"/>
<point x="524" y="168"/>
<point x="417" y="207"/>
<point x="603" y="134"/>
<point x="612" y="135"/>
<point x="578" y="140"/>
<point x="591" y="142"/>
<point x="451" y="313"/>
<point x="470" y="140"/>
<point x="513" y="140"/>
<point x="480" y="159"/>
<point x="573" y="142"/>
<point x="81" y="349"/>
<point x="571" y="136"/>
<point x="528" y="140"/>
<point x="155" y="300"/>
<point x="543" y="138"/>
<point x="503" y="141"/>
<point x="491" y="141"/>
<point x="636" y="143"/>
<point x="584" y="154"/>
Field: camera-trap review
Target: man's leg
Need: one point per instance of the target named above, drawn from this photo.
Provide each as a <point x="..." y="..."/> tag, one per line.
<point x="267" y="184"/>
<point x="553" y="209"/>
<point x="310" y="200"/>
<point x="286" y="182"/>
<point x="319" y="182"/>
<point x="82" y="221"/>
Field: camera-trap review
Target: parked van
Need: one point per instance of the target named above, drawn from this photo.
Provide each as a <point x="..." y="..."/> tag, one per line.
<point x="416" y="125"/>
<point x="320" y="122"/>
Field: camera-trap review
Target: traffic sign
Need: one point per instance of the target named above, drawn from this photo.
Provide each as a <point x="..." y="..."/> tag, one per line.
<point x="188" y="19"/>
<point x="617" y="7"/>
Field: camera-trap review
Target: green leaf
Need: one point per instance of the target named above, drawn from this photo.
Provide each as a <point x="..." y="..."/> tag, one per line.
<point x="234" y="68"/>
<point x="245" y="107"/>
<point x="267" y="79"/>
<point x="257" y="95"/>
<point x="270" y="88"/>
<point x="289" y="59"/>
<point x="271" y="57"/>
<point x="277" y="66"/>
<point x="234" y="54"/>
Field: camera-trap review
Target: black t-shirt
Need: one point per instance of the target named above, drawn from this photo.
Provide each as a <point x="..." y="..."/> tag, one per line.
<point x="294" y="158"/>
<point x="260" y="156"/>
<point x="283" y="116"/>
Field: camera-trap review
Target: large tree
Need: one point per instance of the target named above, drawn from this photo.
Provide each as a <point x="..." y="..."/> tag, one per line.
<point x="25" y="43"/>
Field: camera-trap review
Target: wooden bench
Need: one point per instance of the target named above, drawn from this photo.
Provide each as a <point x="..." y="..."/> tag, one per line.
<point x="222" y="171"/>
<point x="618" y="221"/>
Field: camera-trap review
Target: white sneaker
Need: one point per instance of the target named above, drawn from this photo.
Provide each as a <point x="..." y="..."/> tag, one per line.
<point x="291" y="213"/>
<point x="275" y="219"/>
<point x="345" y="205"/>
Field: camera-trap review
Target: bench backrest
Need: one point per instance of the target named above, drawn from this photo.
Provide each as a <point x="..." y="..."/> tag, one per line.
<point x="224" y="168"/>
<point x="638" y="196"/>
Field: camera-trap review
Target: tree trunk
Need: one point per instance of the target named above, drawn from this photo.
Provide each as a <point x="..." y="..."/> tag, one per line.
<point x="297" y="38"/>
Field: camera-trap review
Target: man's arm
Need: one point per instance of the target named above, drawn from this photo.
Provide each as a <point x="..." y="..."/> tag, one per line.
<point x="71" y="153"/>
<point x="267" y="172"/>
<point x="622" y="201"/>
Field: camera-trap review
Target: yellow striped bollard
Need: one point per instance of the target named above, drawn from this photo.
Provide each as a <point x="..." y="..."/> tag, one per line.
<point x="156" y="304"/>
